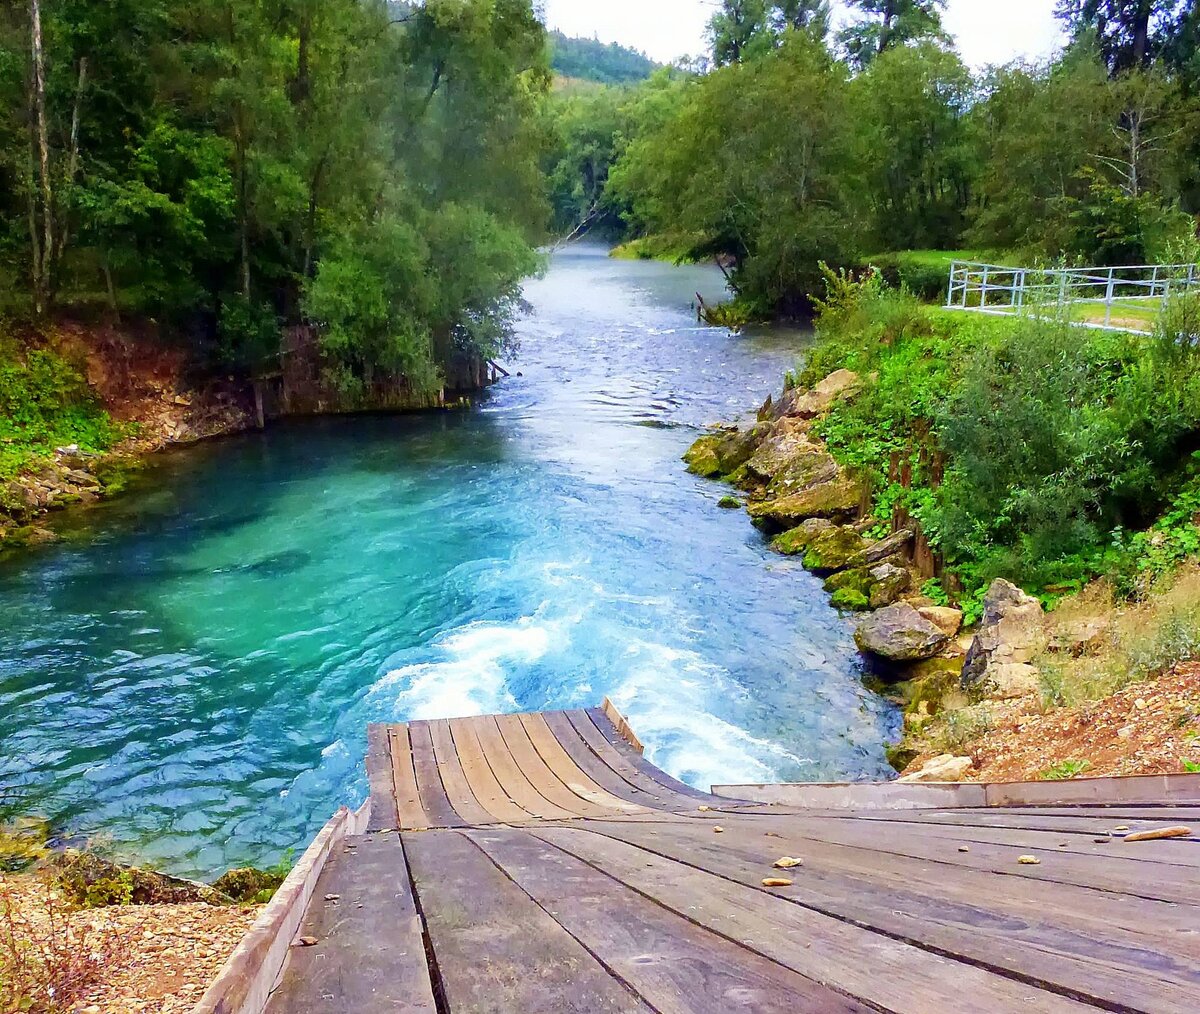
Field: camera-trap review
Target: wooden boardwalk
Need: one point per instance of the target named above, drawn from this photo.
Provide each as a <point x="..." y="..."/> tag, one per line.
<point x="538" y="863"/>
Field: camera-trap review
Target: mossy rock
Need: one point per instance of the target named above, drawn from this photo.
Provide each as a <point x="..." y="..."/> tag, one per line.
<point x="93" y="882"/>
<point x="850" y="600"/>
<point x="26" y="536"/>
<point x="839" y="498"/>
<point x="833" y="549"/>
<point x="855" y="579"/>
<point x="249" y="884"/>
<point x="729" y="503"/>
<point x="796" y="540"/>
<point x="702" y="458"/>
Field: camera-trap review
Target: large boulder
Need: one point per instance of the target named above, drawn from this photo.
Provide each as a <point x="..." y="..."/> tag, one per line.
<point x="790" y="458"/>
<point x="888" y="583"/>
<point x="717" y="454"/>
<point x="899" y="633"/>
<point x="823" y="396"/>
<point x="796" y="540"/>
<point x="946" y="619"/>
<point x="1011" y="635"/>
<point x="837" y="498"/>
<point x="896" y="545"/>
<point x="832" y="549"/>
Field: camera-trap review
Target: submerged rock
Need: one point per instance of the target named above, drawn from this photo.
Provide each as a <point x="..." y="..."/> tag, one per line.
<point x="899" y="633"/>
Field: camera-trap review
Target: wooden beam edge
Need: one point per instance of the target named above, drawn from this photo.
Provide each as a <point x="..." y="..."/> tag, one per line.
<point x="1116" y="790"/>
<point x="622" y="726"/>
<point x="244" y="983"/>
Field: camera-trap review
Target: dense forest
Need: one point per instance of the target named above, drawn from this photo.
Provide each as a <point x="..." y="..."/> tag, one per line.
<point x="358" y="174"/>
<point x="596" y="61"/>
<point x="803" y="145"/>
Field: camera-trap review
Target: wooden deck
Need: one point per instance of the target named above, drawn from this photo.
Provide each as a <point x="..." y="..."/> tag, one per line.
<point x="538" y="863"/>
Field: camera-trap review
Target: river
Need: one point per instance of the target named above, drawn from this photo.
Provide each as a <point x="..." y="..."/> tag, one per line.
<point x="189" y="673"/>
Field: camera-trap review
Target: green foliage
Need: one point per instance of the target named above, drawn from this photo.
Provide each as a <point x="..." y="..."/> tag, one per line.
<point x="890" y="24"/>
<point x="592" y="60"/>
<point x="1024" y="447"/>
<point x="924" y="273"/>
<point x="45" y="403"/>
<point x="224" y="148"/>
<point x="1065" y="771"/>
<point x="1192" y="767"/>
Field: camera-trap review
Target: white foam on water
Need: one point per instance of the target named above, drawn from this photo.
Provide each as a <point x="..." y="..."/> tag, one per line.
<point x="670" y="696"/>
<point x="471" y="678"/>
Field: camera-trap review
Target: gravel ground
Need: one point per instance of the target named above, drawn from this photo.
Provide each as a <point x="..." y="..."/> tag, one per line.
<point x="1148" y="728"/>
<point x="163" y="957"/>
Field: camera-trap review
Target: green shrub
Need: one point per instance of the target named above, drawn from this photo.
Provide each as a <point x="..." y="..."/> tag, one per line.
<point x="45" y="402"/>
<point x="1025" y="447"/>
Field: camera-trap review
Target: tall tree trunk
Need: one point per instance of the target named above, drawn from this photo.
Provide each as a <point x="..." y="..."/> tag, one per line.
<point x="42" y="257"/>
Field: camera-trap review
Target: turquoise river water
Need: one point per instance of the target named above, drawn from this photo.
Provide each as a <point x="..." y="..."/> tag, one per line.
<point x="190" y="673"/>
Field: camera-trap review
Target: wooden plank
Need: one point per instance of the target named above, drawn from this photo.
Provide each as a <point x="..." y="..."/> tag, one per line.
<point x="1178" y="852"/>
<point x="623" y="764"/>
<point x="497" y="951"/>
<point x="379" y="778"/>
<point x="480" y="777"/>
<point x="508" y="772"/>
<point x="245" y="981"/>
<point x="610" y="733"/>
<point x="872" y="967"/>
<point x="621" y="725"/>
<point x="1121" y="874"/>
<point x="1046" y="945"/>
<point x="857" y="797"/>
<point x="434" y="799"/>
<point x="674" y="965"/>
<point x="567" y="771"/>
<point x="408" y="798"/>
<point x="458" y="788"/>
<point x="581" y="753"/>
<point x="535" y="769"/>
<point x="369" y="956"/>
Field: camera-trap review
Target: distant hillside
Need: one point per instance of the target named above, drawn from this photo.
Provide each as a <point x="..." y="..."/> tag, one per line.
<point x="593" y="60"/>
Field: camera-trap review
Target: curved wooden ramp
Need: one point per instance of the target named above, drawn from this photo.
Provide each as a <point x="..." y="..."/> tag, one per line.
<point x="538" y="863"/>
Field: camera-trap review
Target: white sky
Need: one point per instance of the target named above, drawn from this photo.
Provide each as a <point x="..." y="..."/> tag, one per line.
<point x="988" y="31"/>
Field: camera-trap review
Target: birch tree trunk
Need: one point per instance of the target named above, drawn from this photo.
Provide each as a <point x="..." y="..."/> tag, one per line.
<point x="43" y="249"/>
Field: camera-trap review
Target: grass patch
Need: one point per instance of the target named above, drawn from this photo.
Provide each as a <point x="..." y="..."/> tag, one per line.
<point x="1065" y="771"/>
<point x="1141" y="639"/>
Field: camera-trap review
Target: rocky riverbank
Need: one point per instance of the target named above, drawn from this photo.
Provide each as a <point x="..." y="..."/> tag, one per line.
<point x="957" y="687"/>
<point x="814" y="508"/>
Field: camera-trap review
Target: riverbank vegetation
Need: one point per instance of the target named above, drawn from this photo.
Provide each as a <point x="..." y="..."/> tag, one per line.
<point x="796" y="145"/>
<point x="350" y="182"/>
<point x="1026" y="449"/>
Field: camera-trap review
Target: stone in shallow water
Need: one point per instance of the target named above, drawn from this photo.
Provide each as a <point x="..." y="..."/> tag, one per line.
<point x="833" y="549"/>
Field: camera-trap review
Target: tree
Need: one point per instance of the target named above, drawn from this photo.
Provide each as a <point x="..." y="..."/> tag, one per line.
<point x="734" y="28"/>
<point x="888" y="23"/>
<point x="919" y="162"/>
<point x="1130" y="33"/>
<point x="813" y="16"/>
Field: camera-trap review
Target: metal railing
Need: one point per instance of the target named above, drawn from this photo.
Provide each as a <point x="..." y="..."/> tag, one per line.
<point x="998" y="288"/>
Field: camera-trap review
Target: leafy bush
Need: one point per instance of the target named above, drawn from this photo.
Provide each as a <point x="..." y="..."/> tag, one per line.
<point x="1025" y="447"/>
<point x="45" y="402"/>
